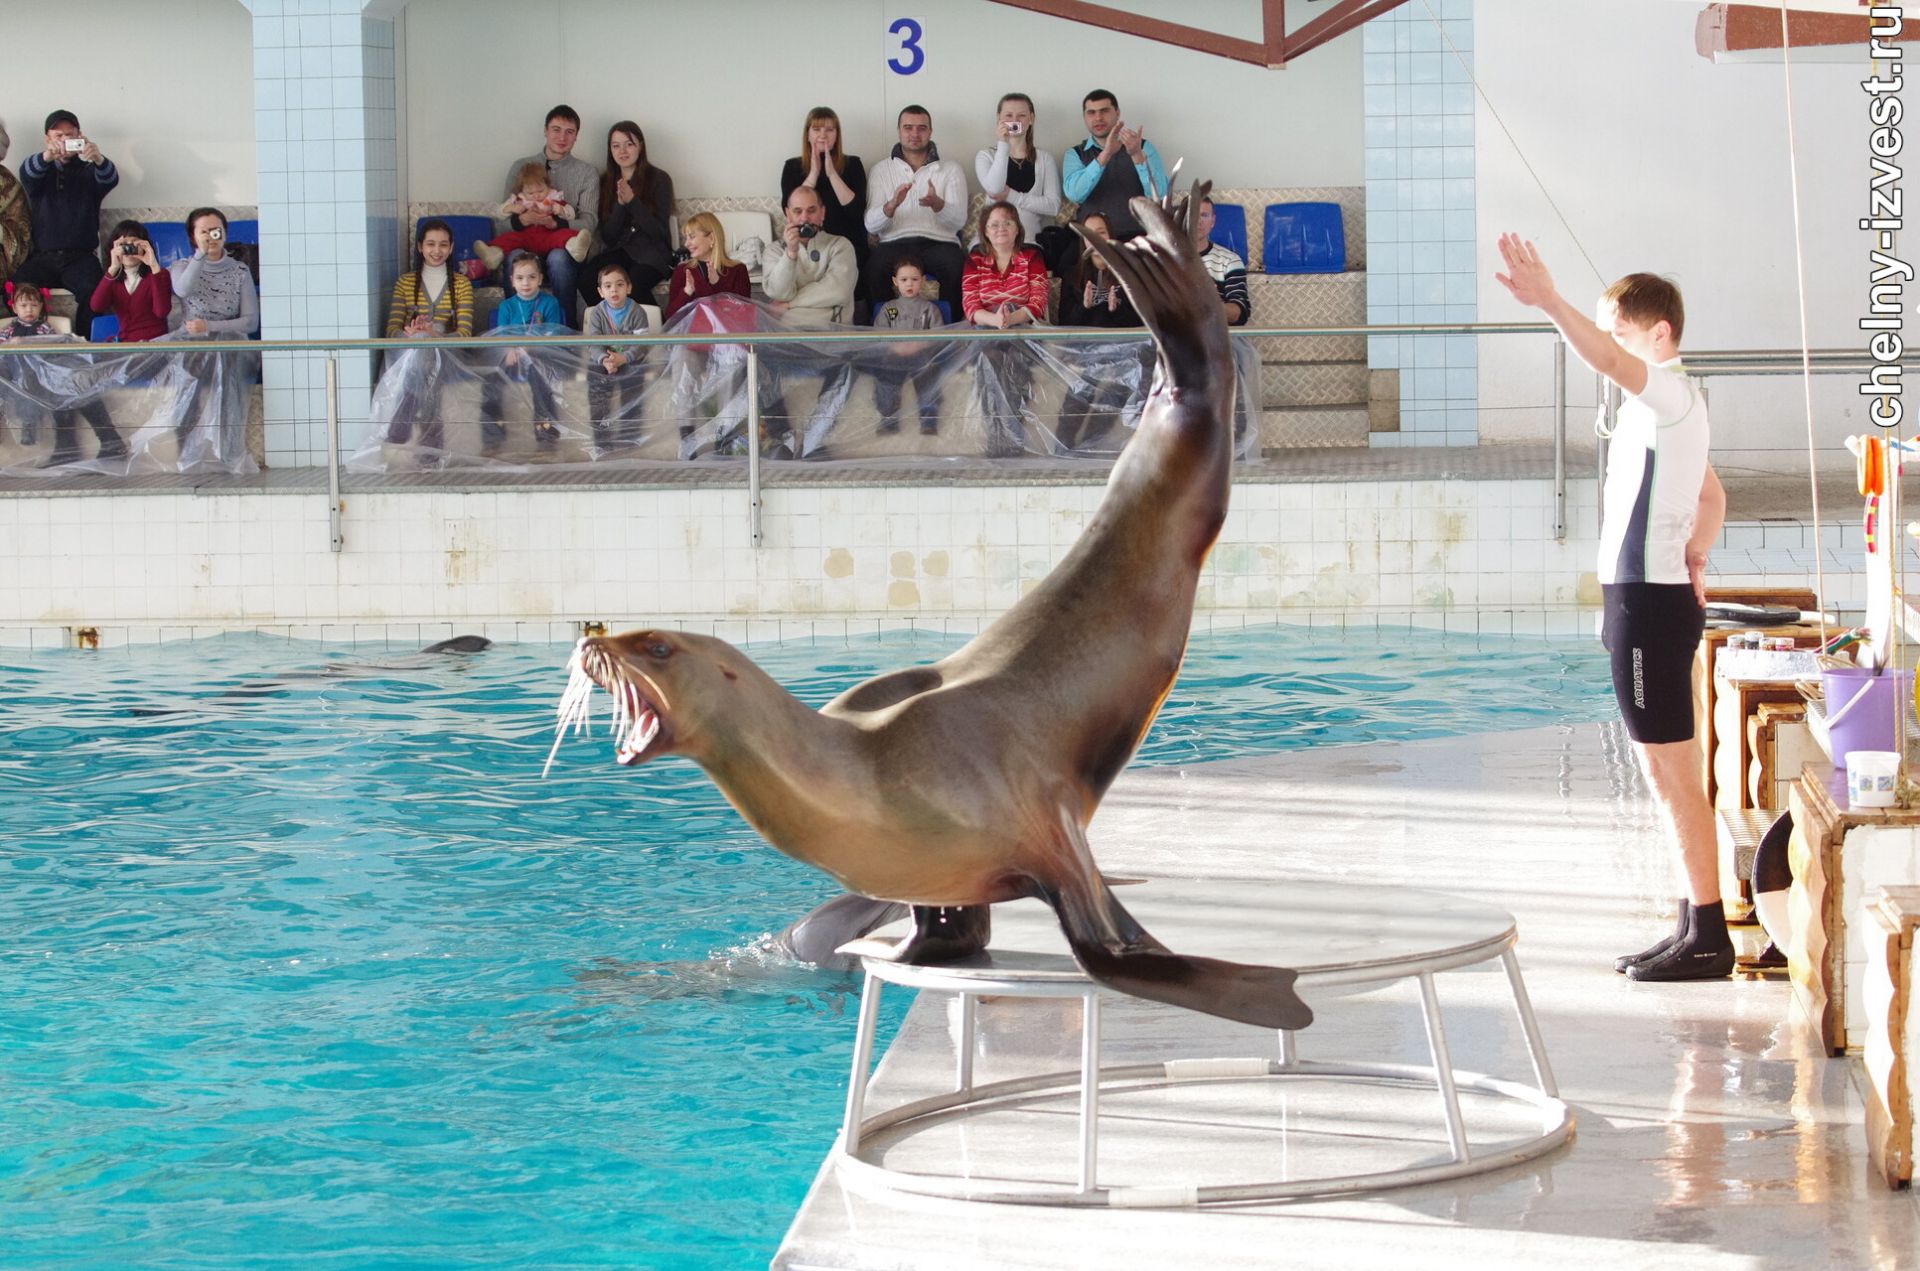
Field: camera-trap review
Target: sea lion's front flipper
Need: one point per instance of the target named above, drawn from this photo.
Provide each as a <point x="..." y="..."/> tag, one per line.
<point x="1114" y="949"/>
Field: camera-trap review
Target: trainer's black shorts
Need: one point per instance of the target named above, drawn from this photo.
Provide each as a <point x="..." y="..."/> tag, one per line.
<point x="1651" y="631"/>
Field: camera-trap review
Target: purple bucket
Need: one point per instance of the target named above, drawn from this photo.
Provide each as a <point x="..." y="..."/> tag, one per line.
<point x="1863" y="709"/>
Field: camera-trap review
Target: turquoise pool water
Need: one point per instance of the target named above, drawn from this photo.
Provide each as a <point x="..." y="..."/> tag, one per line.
<point x="306" y="965"/>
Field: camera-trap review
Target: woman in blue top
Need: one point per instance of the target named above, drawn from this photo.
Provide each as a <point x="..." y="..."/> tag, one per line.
<point x="530" y="305"/>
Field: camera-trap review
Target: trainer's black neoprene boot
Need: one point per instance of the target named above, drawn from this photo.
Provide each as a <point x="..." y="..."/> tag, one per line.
<point x="1673" y="937"/>
<point x="1705" y="953"/>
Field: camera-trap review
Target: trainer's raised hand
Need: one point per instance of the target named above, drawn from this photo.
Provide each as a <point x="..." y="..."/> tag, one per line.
<point x="1526" y="279"/>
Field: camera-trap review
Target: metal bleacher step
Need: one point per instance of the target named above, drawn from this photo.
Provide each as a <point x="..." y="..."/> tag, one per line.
<point x="1341" y="383"/>
<point x="1309" y="427"/>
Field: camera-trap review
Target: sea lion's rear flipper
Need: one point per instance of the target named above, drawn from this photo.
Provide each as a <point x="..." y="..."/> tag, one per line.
<point x="1113" y="948"/>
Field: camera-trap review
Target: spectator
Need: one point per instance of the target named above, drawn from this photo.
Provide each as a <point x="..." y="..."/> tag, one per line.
<point x="134" y="289"/>
<point x="897" y="363"/>
<point x="809" y="276"/>
<point x="1097" y="180"/>
<point x="1005" y="286"/>
<point x="1105" y="375"/>
<point x="527" y="306"/>
<point x="431" y="300"/>
<point x="576" y="180"/>
<point x="615" y="376"/>
<point x="707" y="271"/>
<point x="636" y="209"/>
<point x="916" y="203"/>
<point x="533" y="197"/>
<point x="840" y="179"/>
<point x="1016" y="170"/>
<point x="65" y="184"/>
<point x="16" y="222"/>
<point x="809" y="280"/>
<point x="1224" y="266"/>
<point x="218" y="299"/>
<point x="29" y="322"/>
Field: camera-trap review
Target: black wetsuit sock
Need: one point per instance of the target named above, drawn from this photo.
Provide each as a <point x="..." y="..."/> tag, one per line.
<point x="1654" y="950"/>
<point x="1705" y="953"/>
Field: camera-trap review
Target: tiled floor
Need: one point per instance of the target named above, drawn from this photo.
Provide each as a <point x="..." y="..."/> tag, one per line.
<point x="1711" y="1133"/>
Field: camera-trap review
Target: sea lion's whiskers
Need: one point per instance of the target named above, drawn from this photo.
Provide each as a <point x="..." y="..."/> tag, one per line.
<point x="576" y="705"/>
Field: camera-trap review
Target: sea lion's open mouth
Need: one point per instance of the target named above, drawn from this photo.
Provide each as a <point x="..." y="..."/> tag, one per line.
<point x="638" y="724"/>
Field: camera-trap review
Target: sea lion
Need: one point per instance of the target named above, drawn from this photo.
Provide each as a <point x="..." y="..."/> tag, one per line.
<point x="972" y="780"/>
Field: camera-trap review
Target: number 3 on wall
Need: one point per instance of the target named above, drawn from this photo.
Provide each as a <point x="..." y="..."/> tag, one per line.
<point x="911" y="56"/>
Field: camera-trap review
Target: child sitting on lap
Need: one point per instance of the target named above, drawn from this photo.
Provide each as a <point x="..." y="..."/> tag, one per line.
<point x="29" y="322"/>
<point x="530" y="305"/>
<point x="532" y="195"/>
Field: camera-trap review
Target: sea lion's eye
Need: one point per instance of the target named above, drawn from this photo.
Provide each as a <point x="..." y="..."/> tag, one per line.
<point x="658" y="650"/>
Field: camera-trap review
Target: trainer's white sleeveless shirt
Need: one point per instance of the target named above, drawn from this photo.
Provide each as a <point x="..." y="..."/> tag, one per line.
<point x="1655" y="466"/>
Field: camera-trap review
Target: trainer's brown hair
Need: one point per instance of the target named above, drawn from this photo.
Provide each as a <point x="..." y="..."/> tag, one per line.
<point x="1644" y="299"/>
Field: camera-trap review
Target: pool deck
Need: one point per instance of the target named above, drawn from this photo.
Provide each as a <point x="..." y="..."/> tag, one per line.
<point x="1712" y="1131"/>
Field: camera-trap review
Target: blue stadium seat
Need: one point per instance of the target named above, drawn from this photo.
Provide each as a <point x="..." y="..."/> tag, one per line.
<point x="946" y="310"/>
<point x="466" y="229"/>
<point x="243" y="232"/>
<point x="1304" y="238"/>
<point x="1230" y="228"/>
<point x="170" y="241"/>
<point x="106" y="329"/>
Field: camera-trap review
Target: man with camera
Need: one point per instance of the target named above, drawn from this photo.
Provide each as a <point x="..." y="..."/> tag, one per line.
<point x="916" y="206"/>
<point x="65" y="184"/>
<point x="809" y="281"/>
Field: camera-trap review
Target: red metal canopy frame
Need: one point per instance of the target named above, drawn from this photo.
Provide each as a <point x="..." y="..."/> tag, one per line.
<point x="1274" y="49"/>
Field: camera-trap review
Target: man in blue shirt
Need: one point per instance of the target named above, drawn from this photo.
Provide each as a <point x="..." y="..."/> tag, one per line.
<point x="1113" y="165"/>
<point x="65" y="184"/>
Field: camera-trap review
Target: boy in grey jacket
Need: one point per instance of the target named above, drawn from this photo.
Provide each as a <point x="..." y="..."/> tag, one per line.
<point x="615" y="374"/>
<point x="908" y="311"/>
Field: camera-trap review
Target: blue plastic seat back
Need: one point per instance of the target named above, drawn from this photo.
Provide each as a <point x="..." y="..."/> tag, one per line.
<point x="1304" y="238"/>
<point x="466" y="231"/>
<point x="170" y="242"/>
<point x="243" y="232"/>
<point x="1230" y="228"/>
<point x="946" y="310"/>
<point x="106" y="329"/>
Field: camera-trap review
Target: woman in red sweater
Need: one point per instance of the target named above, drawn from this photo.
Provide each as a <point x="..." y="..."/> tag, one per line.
<point x="1004" y="286"/>
<point x="135" y="289"/>
<point x="701" y="388"/>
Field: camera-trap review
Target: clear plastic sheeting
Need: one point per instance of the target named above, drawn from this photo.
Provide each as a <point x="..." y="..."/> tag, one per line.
<point x="526" y="403"/>
<point x="158" y="407"/>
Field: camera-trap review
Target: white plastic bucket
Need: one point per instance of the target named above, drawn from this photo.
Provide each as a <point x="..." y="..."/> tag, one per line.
<point x="1872" y="776"/>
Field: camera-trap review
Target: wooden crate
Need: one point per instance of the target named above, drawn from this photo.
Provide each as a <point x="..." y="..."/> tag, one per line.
<point x="1893" y="1030"/>
<point x="1805" y="636"/>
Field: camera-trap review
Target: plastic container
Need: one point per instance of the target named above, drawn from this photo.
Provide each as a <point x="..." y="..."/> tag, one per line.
<point x="1873" y="777"/>
<point x="1861" y="708"/>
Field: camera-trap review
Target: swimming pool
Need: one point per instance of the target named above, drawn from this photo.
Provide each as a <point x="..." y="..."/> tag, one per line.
<point x="305" y="962"/>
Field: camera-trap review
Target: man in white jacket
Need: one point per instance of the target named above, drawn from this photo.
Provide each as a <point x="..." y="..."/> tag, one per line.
<point x="917" y="205"/>
<point x="809" y="283"/>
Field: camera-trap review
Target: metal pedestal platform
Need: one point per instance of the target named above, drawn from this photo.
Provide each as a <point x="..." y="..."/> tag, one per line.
<point x="1336" y="936"/>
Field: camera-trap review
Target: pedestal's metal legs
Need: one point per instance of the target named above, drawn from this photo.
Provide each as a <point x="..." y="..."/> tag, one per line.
<point x="1089" y="1089"/>
<point x="1537" y="1052"/>
<point x="862" y="1058"/>
<point x="1289" y="1049"/>
<point x="1443" y="1066"/>
<point x="963" y="1077"/>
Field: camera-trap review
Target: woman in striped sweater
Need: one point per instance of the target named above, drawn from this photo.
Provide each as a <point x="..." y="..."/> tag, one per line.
<point x="1004" y="286"/>
<point x="432" y="300"/>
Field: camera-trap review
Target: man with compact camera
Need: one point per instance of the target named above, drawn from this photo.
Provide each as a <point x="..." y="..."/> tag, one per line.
<point x="809" y="280"/>
<point x="65" y="184"/>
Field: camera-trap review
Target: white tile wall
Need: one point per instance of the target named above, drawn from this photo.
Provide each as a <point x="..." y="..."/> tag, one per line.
<point x="1393" y="553"/>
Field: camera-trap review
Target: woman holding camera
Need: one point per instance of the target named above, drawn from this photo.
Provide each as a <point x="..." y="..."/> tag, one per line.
<point x="135" y="289"/>
<point x="1018" y="172"/>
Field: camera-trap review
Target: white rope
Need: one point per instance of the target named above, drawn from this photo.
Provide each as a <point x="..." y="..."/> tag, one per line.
<point x="1512" y="140"/>
<point x="1806" y="358"/>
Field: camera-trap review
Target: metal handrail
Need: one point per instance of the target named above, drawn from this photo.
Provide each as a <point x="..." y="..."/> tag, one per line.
<point x="1743" y="362"/>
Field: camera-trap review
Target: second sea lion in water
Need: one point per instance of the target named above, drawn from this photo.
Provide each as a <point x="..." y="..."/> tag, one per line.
<point x="972" y="780"/>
